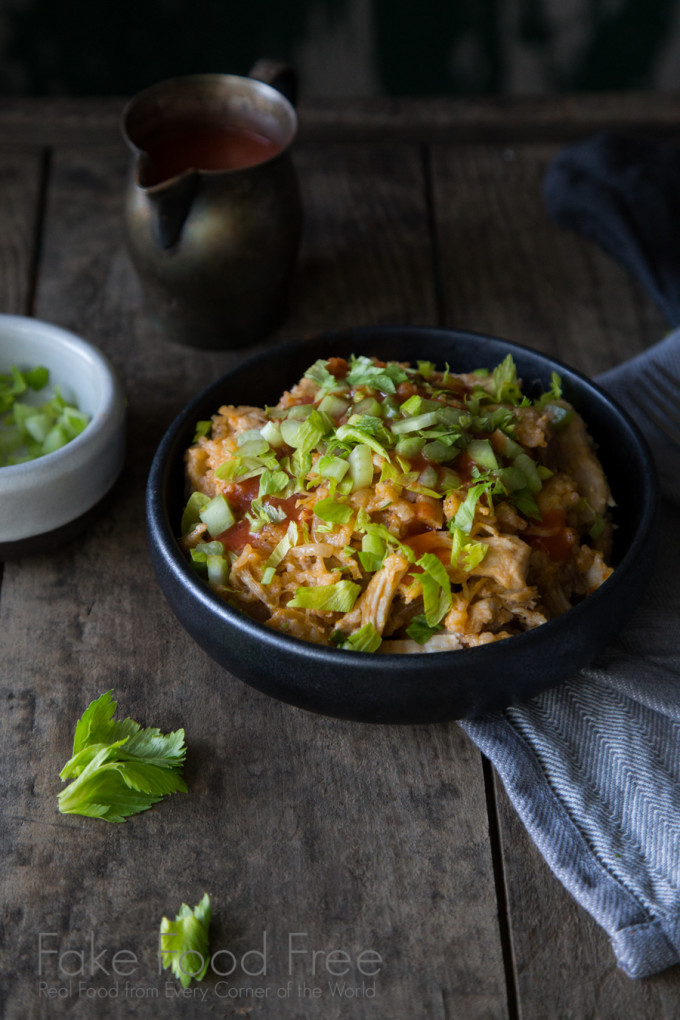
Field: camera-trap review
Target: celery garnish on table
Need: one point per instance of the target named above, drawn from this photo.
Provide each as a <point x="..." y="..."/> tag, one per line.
<point x="119" y="768"/>
<point x="184" y="942"/>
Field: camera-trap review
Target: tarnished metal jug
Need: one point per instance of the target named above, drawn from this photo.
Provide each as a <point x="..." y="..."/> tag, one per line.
<point x="213" y="213"/>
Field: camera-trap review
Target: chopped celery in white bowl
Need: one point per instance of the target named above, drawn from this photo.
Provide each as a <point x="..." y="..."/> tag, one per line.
<point x="28" y="428"/>
<point x="61" y="448"/>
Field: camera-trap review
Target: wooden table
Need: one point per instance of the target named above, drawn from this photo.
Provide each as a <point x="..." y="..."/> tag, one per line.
<point x="400" y="841"/>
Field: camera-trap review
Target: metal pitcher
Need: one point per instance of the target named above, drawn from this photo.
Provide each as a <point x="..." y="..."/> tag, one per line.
<point x="213" y="214"/>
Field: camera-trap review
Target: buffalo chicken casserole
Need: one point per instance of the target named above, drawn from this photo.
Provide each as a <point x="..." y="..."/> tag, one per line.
<point x="389" y="507"/>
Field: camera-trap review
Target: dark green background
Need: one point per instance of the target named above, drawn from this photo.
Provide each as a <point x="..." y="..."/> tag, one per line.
<point x="416" y="47"/>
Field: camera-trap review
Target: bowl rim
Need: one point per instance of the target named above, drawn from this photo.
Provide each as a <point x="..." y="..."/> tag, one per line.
<point x="107" y="407"/>
<point x="160" y="533"/>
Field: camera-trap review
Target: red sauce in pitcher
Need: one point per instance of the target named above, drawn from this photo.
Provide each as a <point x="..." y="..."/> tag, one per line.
<point x="182" y="146"/>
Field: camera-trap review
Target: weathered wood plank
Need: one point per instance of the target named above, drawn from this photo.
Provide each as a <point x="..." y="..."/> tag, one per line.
<point x="491" y="119"/>
<point x="363" y="838"/>
<point x="20" y="189"/>
<point x="494" y="119"/>
<point x="507" y="269"/>
<point x="367" y="255"/>
<point x="564" y="963"/>
<point x="21" y="179"/>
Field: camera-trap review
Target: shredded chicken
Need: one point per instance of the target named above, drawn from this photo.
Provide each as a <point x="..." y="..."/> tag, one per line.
<point x="375" y="603"/>
<point x="439" y="643"/>
<point x="506" y="561"/>
<point x="573" y="454"/>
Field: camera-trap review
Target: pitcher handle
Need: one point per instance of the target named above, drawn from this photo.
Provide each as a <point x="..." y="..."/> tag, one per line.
<point x="279" y="75"/>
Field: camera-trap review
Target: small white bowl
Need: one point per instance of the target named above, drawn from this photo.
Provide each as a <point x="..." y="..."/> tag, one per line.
<point x="46" y="502"/>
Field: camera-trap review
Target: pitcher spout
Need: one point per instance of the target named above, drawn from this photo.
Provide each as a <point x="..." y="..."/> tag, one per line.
<point x="169" y="205"/>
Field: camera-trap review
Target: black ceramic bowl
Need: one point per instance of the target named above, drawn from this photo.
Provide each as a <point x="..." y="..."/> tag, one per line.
<point x="406" y="688"/>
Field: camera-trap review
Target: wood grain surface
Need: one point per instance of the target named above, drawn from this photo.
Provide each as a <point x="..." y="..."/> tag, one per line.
<point x="337" y="836"/>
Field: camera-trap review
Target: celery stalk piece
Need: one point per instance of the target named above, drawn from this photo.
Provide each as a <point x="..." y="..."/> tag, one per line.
<point x="529" y="469"/>
<point x="290" y="429"/>
<point x="55" y="439"/>
<point x="298" y="412"/>
<point x="218" y="570"/>
<point x="420" y="421"/>
<point x="410" y="447"/>
<point x="217" y="516"/>
<point x="373" y="552"/>
<point x="38" y="426"/>
<point x="428" y="477"/>
<point x="73" y="421"/>
<point x="329" y="466"/>
<point x="361" y="466"/>
<point x="272" y="433"/>
<point x="334" y="406"/>
<point x="369" y="405"/>
<point x="254" y="447"/>
<point x="197" y="501"/>
<point x="449" y="479"/>
<point x="439" y="452"/>
<point x="482" y="453"/>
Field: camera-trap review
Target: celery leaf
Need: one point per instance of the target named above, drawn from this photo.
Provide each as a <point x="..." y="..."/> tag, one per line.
<point x="119" y="768"/>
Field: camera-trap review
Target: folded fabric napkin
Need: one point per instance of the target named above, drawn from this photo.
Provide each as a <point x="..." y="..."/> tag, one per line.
<point x="593" y="765"/>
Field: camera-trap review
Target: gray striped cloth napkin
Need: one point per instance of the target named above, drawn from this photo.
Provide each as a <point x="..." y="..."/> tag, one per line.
<point x="593" y="766"/>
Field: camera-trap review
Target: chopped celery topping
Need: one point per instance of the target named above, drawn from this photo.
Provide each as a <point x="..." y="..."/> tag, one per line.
<point x="330" y="598"/>
<point x="202" y="429"/>
<point x="217" y="516"/>
<point x="333" y="511"/>
<point x="382" y="378"/>
<point x="436" y="588"/>
<point x="279" y="552"/>
<point x="366" y="639"/>
<point x="30" y="430"/>
<point x="466" y="553"/>
<point x="362" y="428"/>
<point x="419" y="629"/>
